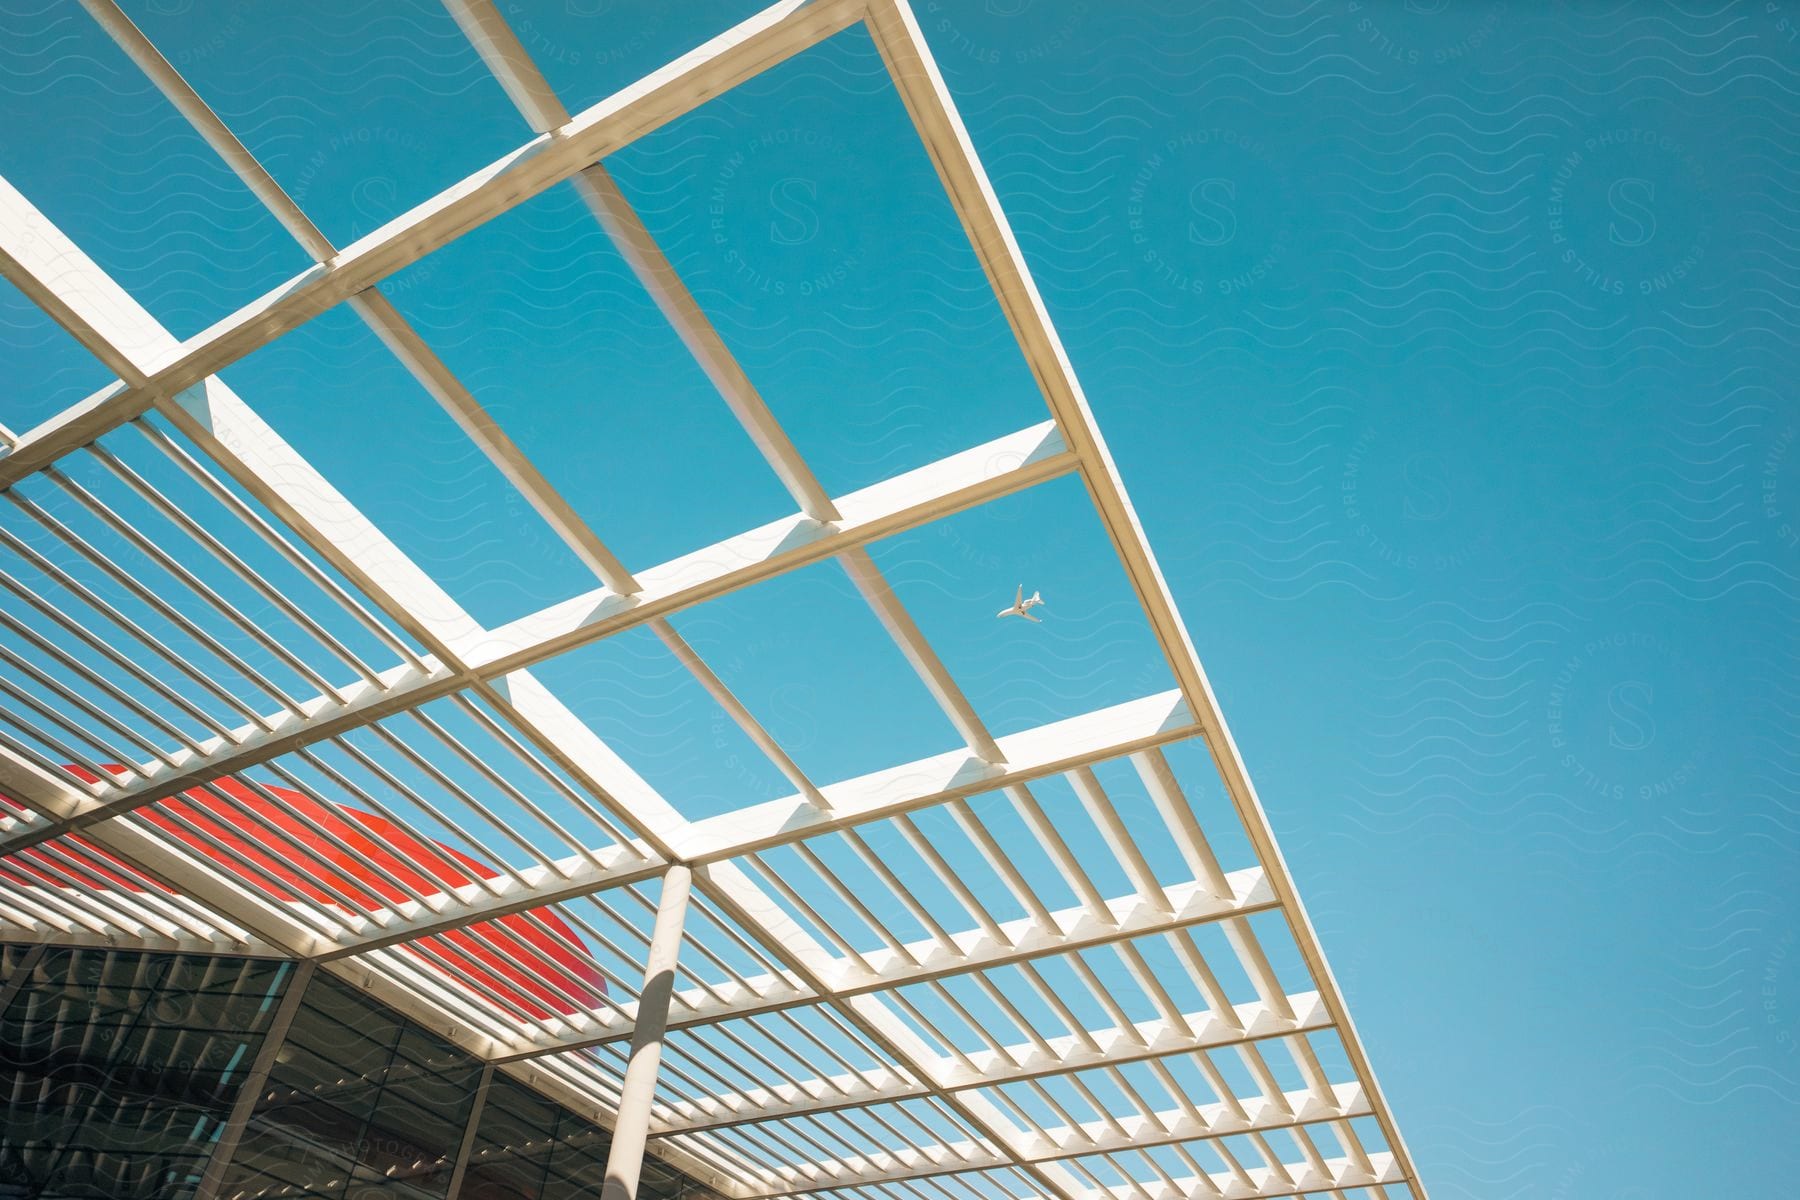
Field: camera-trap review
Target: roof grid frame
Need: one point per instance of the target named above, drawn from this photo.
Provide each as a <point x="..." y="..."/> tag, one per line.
<point x="500" y="654"/>
<point x="119" y="472"/>
<point x="1020" y="941"/>
<point x="82" y="553"/>
<point x="859" y="989"/>
<point x="68" y="901"/>
<point x="712" y="1048"/>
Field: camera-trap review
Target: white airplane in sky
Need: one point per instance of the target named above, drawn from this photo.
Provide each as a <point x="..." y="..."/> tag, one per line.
<point x="1021" y="605"/>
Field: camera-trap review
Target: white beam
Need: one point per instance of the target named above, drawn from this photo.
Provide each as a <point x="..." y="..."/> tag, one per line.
<point x="912" y="498"/>
<point x="1215" y="1120"/>
<point x="1026" y="1060"/>
<point x="1070" y="929"/>
<point x="961" y="481"/>
<point x="280" y="733"/>
<point x="745" y="50"/>
<point x="54" y="273"/>
<point x="471" y="904"/>
<point x="1028" y="755"/>
<point x="557" y="1085"/>
<point x="902" y="44"/>
<point x="1301" y="1179"/>
<point x="44" y="262"/>
<point x="531" y="94"/>
<point x="380" y="315"/>
<point x="977" y="950"/>
<point x="467" y="656"/>
<point x="1294" y="1179"/>
<point x="375" y="309"/>
<point x="879" y="594"/>
<point x="510" y="63"/>
<point x="56" y="276"/>
<point x="262" y="462"/>
<point x="59" y="797"/>
<point x="202" y="881"/>
<point x="720" y="1110"/>
<point x="637" y="1091"/>
<point x="69" y="430"/>
<point x="1148" y="1040"/>
<point x="248" y="449"/>
<point x="144" y="940"/>
<point x="169" y="82"/>
<point x="870" y="1014"/>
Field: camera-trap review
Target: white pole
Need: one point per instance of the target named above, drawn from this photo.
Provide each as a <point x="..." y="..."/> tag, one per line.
<point x="625" y="1160"/>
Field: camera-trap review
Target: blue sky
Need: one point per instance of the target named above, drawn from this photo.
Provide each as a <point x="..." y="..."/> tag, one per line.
<point x="1447" y="352"/>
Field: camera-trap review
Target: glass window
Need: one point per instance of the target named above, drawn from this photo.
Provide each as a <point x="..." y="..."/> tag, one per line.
<point x="122" y="1067"/>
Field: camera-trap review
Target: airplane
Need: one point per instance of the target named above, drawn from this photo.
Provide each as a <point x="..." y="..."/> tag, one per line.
<point x="1022" y="605"/>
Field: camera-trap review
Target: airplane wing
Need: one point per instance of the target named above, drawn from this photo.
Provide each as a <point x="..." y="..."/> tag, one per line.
<point x="1032" y="619"/>
<point x="1019" y="597"/>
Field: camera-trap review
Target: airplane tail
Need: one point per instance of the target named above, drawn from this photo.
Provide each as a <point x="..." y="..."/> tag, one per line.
<point x="1035" y="599"/>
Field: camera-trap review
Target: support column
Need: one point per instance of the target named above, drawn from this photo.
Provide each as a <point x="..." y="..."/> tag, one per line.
<point x="625" y="1160"/>
<point x="14" y="983"/>
<point x="254" y="1081"/>
<point x="470" y="1129"/>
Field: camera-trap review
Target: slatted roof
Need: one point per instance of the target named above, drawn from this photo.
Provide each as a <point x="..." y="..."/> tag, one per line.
<point x="1067" y="962"/>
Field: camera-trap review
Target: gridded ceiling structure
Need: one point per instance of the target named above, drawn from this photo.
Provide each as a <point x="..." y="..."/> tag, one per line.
<point x="906" y="984"/>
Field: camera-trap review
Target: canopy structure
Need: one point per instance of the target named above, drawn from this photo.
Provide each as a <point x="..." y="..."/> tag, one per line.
<point x="408" y="808"/>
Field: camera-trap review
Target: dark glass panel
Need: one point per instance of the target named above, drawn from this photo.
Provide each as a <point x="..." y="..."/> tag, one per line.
<point x="119" y="1068"/>
<point x="359" y="1103"/>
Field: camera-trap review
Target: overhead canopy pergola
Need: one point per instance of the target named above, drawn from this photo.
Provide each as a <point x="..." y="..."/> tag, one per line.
<point x="555" y="915"/>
